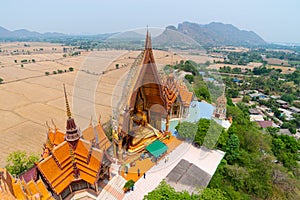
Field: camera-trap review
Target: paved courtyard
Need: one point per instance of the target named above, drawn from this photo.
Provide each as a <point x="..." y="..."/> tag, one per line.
<point x="206" y="160"/>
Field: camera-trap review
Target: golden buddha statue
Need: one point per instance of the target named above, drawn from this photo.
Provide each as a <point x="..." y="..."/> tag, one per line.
<point x="141" y="131"/>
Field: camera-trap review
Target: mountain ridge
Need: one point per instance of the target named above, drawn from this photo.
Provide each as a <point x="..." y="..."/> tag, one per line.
<point x="217" y="33"/>
<point x="212" y="34"/>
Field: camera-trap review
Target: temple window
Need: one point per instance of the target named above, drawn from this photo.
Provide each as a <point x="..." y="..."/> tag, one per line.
<point x="65" y="193"/>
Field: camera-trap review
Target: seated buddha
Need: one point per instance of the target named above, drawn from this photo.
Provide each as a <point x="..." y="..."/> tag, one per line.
<point x="141" y="131"/>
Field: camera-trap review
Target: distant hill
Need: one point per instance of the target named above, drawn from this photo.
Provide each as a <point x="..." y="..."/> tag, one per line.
<point x="218" y="34"/>
<point x="23" y="33"/>
<point x="170" y="37"/>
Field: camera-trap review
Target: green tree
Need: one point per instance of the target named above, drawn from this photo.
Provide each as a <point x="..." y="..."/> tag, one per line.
<point x="288" y="97"/>
<point x="212" y="194"/>
<point x="232" y="148"/>
<point x="1" y="80"/>
<point x="203" y="126"/>
<point x="163" y="191"/>
<point x="117" y="66"/>
<point x="187" y="130"/>
<point x="189" y="78"/>
<point x="19" y="161"/>
<point x="246" y="99"/>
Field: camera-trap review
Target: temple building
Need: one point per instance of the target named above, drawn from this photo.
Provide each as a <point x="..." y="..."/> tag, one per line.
<point x="71" y="161"/>
<point x="220" y="110"/>
<point x="153" y="100"/>
<point x="12" y="188"/>
<point x="219" y="114"/>
<point x="178" y="97"/>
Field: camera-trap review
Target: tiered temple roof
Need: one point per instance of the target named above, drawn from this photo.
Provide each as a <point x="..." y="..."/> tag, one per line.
<point x="58" y="168"/>
<point x="72" y="156"/>
<point x="174" y="88"/>
<point x="220" y="110"/>
<point x="11" y="188"/>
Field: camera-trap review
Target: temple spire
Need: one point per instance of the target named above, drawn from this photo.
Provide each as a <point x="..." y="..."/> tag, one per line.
<point x="73" y="134"/>
<point x="148" y="44"/>
<point x="69" y="114"/>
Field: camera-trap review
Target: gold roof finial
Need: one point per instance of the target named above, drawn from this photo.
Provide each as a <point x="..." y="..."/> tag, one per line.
<point x="54" y="124"/>
<point x="67" y="103"/>
<point x="48" y="126"/>
<point x="99" y="120"/>
<point x="91" y="121"/>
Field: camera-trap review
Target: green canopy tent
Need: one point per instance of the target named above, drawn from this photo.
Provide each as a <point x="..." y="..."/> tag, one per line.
<point x="157" y="148"/>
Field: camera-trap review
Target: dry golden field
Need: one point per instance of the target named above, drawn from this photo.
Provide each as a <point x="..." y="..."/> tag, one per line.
<point x="29" y="98"/>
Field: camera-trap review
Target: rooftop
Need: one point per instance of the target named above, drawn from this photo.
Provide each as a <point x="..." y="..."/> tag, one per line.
<point x="294" y="109"/>
<point x="265" y="124"/>
<point x="281" y="101"/>
<point x="182" y="177"/>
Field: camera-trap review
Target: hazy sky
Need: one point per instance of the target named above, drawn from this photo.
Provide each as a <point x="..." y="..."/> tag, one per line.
<point x="273" y="20"/>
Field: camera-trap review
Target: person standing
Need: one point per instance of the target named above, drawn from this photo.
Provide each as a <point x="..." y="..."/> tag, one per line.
<point x="145" y="175"/>
<point x="138" y="172"/>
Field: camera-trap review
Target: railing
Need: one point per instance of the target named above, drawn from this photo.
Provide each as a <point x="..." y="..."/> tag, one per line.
<point x="128" y="85"/>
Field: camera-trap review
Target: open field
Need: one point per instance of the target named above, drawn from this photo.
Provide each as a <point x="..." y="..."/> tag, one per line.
<point x="276" y="61"/>
<point x="198" y="56"/>
<point x="29" y="98"/>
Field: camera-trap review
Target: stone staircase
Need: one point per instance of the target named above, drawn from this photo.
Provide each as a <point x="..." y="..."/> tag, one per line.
<point x="113" y="190"/>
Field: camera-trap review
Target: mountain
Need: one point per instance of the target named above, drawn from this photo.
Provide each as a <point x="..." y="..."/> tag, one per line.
<point x="23" y="33"/>
<point x="4" y="32"/>
<point x="128" y="35"/>
<point x="215" y="34"/>
<point x="170" y="37"/>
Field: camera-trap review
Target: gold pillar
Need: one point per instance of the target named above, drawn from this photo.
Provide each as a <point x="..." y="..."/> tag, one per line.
<point x="115" y="148"/>
<point x="120" y="151"/>
<point x="167" y="122"/>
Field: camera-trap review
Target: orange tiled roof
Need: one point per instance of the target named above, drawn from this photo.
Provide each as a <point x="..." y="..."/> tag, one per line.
<point x="185" y="95"/>
<point x="173" y="89"/>
<point x="97" y="134"/>
<point x="170" y="91"/>
<point x="56" y="136"/>
<point x="58" y="167"/>
<point x="19" y="189"/>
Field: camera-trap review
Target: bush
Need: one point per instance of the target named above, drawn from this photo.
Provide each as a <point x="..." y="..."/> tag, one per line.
<point x="54" y="72"/>
<point x="22" y="65"/>
<point x="189" y="78"/>
<point x="47" y="73"/>
<point x="1" y="80"/>
<point x="71" y="69"/>
<point x="129" y="184"/>
<point x="19" y="162"/>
